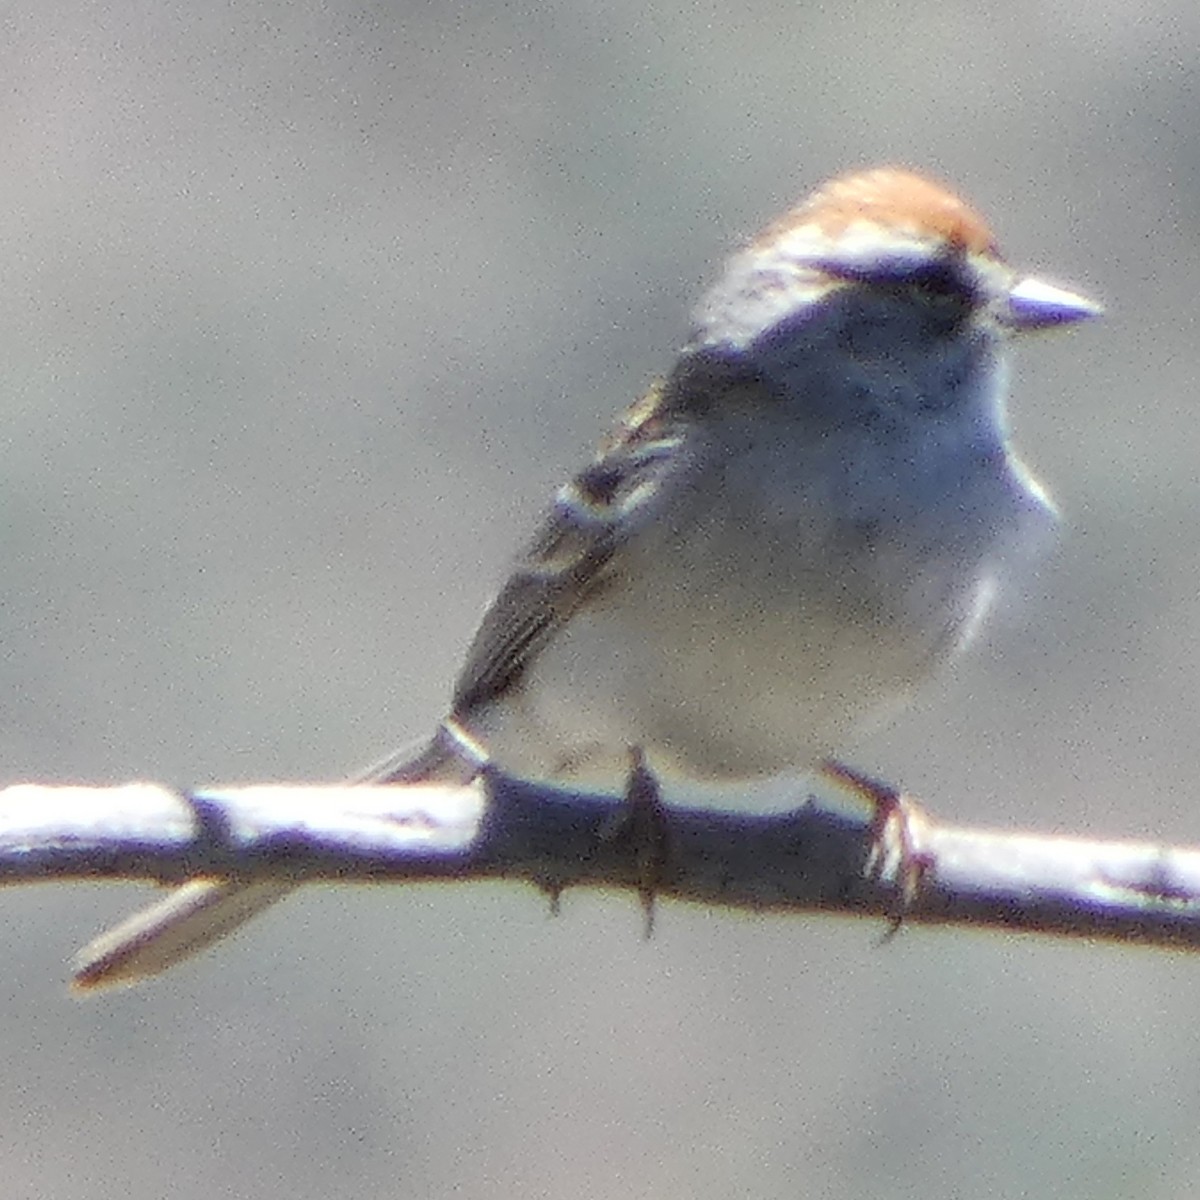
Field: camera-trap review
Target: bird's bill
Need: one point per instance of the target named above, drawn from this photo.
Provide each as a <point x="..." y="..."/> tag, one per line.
<point x="1035" y="304"/>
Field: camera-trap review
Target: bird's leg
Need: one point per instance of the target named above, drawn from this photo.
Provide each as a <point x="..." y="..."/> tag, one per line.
<point x="895" y="834"/>
<point x="642" y="821"/>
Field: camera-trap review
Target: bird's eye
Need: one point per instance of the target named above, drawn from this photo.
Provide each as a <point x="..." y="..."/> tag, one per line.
<point x="942" y="282"/>
<point x="939" y="280"/>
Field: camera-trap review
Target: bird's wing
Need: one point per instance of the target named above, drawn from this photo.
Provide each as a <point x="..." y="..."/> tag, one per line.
<point x="570" y="557"/>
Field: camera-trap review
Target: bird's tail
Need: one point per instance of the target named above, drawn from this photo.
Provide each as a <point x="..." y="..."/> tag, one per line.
<point x="203" y="911"/>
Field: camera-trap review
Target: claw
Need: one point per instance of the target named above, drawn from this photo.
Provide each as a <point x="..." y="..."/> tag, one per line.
<point x="554" y="893"/>
<point x="895" y="838"/>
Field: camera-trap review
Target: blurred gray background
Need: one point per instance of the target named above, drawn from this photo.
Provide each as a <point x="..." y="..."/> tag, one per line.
<point x="304" y="308"/>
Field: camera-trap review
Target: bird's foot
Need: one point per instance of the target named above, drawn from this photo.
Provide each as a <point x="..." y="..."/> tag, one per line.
<point x="641" y="821"/>
<point x="895" y="853"/>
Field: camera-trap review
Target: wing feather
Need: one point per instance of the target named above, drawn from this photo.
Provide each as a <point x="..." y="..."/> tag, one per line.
<point x="570" y="558"/>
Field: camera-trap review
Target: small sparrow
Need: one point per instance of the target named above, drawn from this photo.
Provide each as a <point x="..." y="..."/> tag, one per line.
<point x="779" y="542"/>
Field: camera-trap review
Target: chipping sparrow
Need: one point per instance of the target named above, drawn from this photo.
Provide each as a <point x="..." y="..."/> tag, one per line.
<point x="779" y="542"/>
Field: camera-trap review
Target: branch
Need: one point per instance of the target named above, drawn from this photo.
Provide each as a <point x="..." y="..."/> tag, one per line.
<point x="813" y="859"/>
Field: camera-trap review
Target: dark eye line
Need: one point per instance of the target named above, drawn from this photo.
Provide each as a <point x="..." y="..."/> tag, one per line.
<point x="943" y="277"/>
<point x="939" y="279"/>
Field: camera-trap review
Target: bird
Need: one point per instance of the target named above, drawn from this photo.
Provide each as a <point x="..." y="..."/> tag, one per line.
<point x="784" y="537"/>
